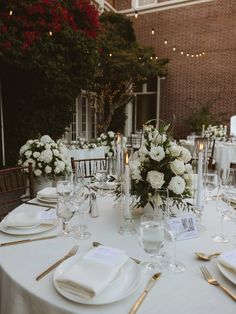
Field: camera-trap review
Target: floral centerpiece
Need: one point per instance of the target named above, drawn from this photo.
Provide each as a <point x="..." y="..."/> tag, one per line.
<point x="215" y="132"/>
<point x="160" y="163"/>
<point x="108" y="141"/>
<point x="80" y="144"/>
<point x="48" y="158"/>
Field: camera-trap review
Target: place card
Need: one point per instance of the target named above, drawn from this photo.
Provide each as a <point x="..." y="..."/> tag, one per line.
<point x="185" y="227"/>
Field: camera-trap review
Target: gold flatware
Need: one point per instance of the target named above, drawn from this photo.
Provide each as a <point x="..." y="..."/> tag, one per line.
<point x="207" y="275"/>
<point x="95" y="244"/>
<point x="71" y="253"/>
<point x="206" y="257"/>
<point x="149" y="286"/>
<point x="27" y="240"/>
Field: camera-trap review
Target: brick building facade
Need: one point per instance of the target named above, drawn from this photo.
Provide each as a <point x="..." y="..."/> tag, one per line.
<point x="208" y="27"/>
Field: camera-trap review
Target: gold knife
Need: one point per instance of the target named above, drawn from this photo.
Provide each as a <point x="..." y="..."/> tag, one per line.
<point x="27" y="240"/>
<point x="95" y="244"/>
<point x="149" y="286"/>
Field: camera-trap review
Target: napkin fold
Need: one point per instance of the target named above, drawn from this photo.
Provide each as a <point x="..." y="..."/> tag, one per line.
<point x="91" y="274"/>
<point x="27" y="216"/>
<point x="228" y="259"/>
<point x="48" y="193"/>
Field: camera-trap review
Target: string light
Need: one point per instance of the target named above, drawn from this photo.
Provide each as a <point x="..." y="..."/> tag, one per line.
<point x="187" y="54"/>
<point x="156" y="57"/>
<point x="50" y="33"/>
<point x="192" y="56"/>
<point x="181" y="52"/>
<point x="10" y="13"/>
<point x="151" y="57"/>
<point x="174" y="48"/>
<point x="110" y="54"/>
<point x="136" y="14"/>
<point x="165" y="41"/>
<point x="153" y="31"/>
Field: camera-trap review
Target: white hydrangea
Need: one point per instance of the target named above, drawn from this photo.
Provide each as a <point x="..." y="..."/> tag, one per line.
<point x="46" y="139"/>
<point x="156" y="179"/>
<point x="111" y="134"/>
<point x="177" y="185"/>
<point x="60" y="164"/>
<point x="28" y="153"/>
<point x="46" y="155"/>
<point x="48" y="169"/>
<point x="177" y="166"/>
<point x="157" y="153"/>
<point x="38" y="172"/>
<point x="36" y="154"/>
<point x="24" y="148"/>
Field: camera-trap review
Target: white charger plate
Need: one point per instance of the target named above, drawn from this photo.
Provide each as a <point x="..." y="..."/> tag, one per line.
<point x="228" y="273"/>
<point x="126" y="283"/>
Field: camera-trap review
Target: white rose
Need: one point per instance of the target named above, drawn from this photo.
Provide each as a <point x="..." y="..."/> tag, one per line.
<point x="37" y="172"/>
<point x="36" y="154"/>
<point x="188" y="168"/>
<point x="28" y="153"/>
<point x="46" y="155"/>
<point x="177" y="166"/>
<point x="177" y="185"/>
<point x="46" y="139"/>
<point x="48" y="169"/>
<point x="185" y="155"/>
<point x="157" y="153"/>
<point x="159" y="139"/>
<point x="39" y="165"/>
<point x="175" y="150"/>
<point x="156" y="179"/>
<point x="111" y="134"/>
<point x="143" y="150"/>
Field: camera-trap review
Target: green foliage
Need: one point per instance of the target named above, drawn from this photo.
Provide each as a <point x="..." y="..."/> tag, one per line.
<point x="122" y="64"/>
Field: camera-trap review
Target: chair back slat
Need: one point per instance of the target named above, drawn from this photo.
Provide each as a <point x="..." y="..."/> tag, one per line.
<point x="16" y="187"/>
<point x="88" y="167"/>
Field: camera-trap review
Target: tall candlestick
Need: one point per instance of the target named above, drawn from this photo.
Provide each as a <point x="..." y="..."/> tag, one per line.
<point x="225" y="131"/>
<point x="126" y="183"/>
<point x="199" y="200"/>
<point x="118" y="156"/>
<point x="203" y="129"/>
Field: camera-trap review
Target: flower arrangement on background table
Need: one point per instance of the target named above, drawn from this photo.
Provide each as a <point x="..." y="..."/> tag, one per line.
<point x="160" y="163"/>
<point x="215" y="132"/>
<point x="48" y="158"/>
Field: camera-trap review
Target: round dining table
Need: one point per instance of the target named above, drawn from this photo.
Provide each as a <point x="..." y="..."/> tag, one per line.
<point x="182" y="293"/>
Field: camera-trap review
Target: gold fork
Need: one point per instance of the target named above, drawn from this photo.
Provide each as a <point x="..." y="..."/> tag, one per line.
<point x="149" y="286"/>
<point x="72" y="252"/>
<point x="207" y="275"/>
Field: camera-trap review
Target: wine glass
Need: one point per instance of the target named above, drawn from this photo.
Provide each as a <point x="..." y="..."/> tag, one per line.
<point x="64" y="188"/>
<point x="176" y="223"/>
<point x="65" y="211"/>
<point x="211" y="182"/>
<point x="222" y="208"/>
<point x="151" y="239"/>
<point x="81" y="202"/>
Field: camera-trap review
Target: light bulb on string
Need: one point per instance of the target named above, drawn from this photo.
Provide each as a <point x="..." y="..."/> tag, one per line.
<point x="187" y="54"/>
<point x="110" y="54"/>
<point x="174" y="48"/>
<point x="151" y="58"/>
<point x="10" y="13"/>
<point x="153" y="31"/>
<point x="156" y="57"/>
<point x="181" y="52"/>
<point x="192" y="56"/>
<point x="165" y="41"/>
<point x="50" y="33"/>
<point x="136" y="14"/>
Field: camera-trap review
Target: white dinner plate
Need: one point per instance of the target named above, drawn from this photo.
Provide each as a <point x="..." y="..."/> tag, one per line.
<point x="49" y="200"/>
<point x="27" y="230"/>
<point x="121" y="287"/>
<point x="228" y="273"/>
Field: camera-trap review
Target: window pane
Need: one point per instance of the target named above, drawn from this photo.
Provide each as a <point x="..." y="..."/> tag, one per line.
<point x="146" y="2"/>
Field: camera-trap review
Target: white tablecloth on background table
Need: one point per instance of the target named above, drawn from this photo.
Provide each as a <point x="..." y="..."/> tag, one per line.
<point x="224" y="153"/>
<point x="173" y="293"/>
<point x="87" y="153"/>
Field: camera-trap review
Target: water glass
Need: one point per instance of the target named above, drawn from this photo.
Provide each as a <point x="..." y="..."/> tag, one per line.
<point x="65" y="211"/>
<point x="151" y="239"/>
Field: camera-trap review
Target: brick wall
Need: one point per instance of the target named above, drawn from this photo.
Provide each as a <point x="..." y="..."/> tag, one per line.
<point x="209" y="27"/>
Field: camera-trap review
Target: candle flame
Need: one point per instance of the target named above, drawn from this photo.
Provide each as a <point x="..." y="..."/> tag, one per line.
<point x="126" y="159"/>
<point x="201" y="147"/>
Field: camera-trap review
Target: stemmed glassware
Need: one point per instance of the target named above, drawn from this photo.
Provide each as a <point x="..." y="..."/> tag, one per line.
<point x="65" y="211"/>
<point x="64" y="187"/>
<point x="176" y="223"/>
<point x="151" y="238"/>
<point x="211" y="183"/>
<point x="81" y="201"/>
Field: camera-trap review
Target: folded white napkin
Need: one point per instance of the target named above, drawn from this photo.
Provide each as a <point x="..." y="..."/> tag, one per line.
<point x="228" y="259"/>
<point x="93" y="272"/>
<point x="48" y="193"/>
<point x="27" y="216"/>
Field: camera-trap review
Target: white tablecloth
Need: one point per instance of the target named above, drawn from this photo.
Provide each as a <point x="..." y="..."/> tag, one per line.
<point x="224" y="153"/>
<point x="87" y="153"/>
<point x="173" y="293"/>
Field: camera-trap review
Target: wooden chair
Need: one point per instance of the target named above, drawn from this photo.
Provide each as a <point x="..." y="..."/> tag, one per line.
<point x="233" y="164"/>
<point x="87" y="167"/>
<point x="16" y="187"/>
<point x="136" y="140"/>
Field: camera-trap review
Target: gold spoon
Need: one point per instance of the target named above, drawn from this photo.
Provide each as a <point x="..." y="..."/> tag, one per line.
<point x="206" y="257"/>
